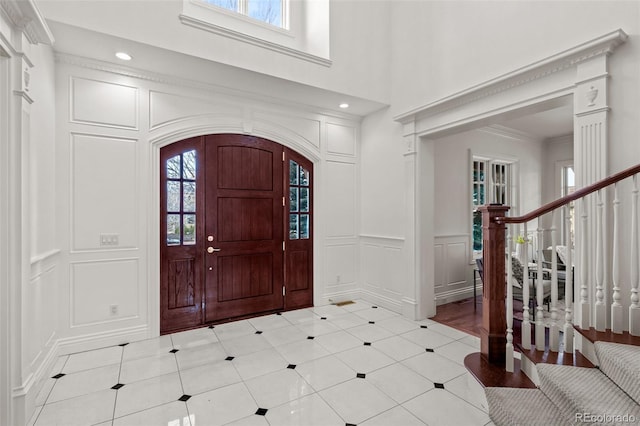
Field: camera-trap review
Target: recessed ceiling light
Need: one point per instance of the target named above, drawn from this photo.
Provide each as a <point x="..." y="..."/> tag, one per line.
<point x="124" y="56"/>
<point x="344" y="105"/>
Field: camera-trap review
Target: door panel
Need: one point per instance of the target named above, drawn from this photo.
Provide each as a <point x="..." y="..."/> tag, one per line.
<point x="244" y="215"/>
<point x="298" y="178"/>
<point x="180" y="235"/>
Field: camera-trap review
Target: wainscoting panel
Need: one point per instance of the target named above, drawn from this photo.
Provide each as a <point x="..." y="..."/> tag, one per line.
<point x="452" y="269"/>
<point x="340" y="194"/>
<point x="306" y="128"/>
<point x="104" y="201"/>
<point x="100" y="103"/>
<point x="341" y="269"/>
<point x="341" y="139"/>
<point x="104" y="291"/>
<point x="382" y="269"/>
<point x="166" y="108"/>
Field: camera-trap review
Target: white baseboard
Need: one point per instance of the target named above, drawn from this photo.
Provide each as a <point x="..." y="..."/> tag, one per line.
<point x="455" y="295"/>
<point x="89" y="342"/>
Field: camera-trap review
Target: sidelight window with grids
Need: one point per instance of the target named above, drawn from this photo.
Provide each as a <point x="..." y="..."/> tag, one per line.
<point x="181" y="199"/>
<point x="299" y="202"/>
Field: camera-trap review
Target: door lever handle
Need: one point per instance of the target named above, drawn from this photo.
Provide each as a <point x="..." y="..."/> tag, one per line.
<point x="211" y="249"/>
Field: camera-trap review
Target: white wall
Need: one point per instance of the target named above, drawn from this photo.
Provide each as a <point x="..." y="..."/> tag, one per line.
<point x="110" y="128"/>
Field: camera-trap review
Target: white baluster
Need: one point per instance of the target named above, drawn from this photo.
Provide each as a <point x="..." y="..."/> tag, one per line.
<point x="634" y="308"/>
<point x="539" y="298"/>
<point x="616" y="307"/>
<point x="554" y="331"/>
<point x="509" y="347"/>
<point x="600" y="308"/>
<point x="526" y="322"/>
<point x="568" y="285"/>
<point x="585" y="309"/>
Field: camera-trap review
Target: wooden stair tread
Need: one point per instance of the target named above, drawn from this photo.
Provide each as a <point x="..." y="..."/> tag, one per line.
<point x="547" y="356"/>
<point x="608" y="336"/>
<point x="492" y="375"/>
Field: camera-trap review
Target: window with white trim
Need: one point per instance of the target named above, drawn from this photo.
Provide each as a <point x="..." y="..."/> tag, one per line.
<point x="492" y="182"/>
<point x="272" y="12"/>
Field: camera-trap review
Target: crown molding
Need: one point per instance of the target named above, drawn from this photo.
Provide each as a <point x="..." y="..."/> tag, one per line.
<point x="169" y="80"/>
<point x="24" y="14"/>
<point x="570" y="58"/>
<point x="508" y="132"/>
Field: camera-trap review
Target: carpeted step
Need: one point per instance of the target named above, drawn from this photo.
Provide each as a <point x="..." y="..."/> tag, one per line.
<point x="580" y="392"/>
<point x="620" y="363"/>
<point x="513" y="406"/>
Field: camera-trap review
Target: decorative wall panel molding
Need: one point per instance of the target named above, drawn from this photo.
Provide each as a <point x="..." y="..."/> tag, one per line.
<point x="306" y="128"/>
<point x="341" y="139"/>
<point x="451" y="262"/>
<point x="340" y="194"/>
<point x="101" y="103"/>
<point x="165" y="108"/>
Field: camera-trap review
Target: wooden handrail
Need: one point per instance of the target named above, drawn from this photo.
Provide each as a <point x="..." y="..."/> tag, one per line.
<point x="571" y="197"/>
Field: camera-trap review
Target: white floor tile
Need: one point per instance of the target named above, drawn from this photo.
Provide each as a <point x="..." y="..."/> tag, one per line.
<point x="375" y="314"/>
<point x="193" y="338"/>
<point x="338" y="341"/>
<point x="173" y="413"/>
<point x="276" y="388"/>
<point x="233" y="330"/>
<point x="455" y="351"/>
<point x="329" y="311"/>
<point x="146" y="368"/>
<point x="84" y="410"/>
<point x="466" y="387"/>
<point x="434" y="367"/>
<point x="300" y="316"/>
<point x="147" y="394"/>
<point x="370" y="332"/>
<point x="259" y="363"/>
<point x="426" y="338"/>
<point x="396" y="416"/>
<point x="471" y="341"/>
<point x="439" y="407"/>
<point x="208" y="377"/>
<point x="358" y="305"/>
<point x="398" y="325"/>
<point x="364" y="359"/>
<point x="325" y="372"/>
<point x="269" y="322"/>
<point x="283" y="335"/>
<point x="199" y="355"/>
<point x="246" y="344"/>
<point x="222" y="406"/>
<point x="399" y="382"/>
<point x="302" y="351"/>
<point x="310" y="410"/>
<point x="146" y="348"/>
<point x="317" y="327"/>
<point x="447" y="331"/>
<point x="252" y="420"/>
<point x="357" y="400"/>
<point x="348" y="320"/>
<point x="398" y="348"/>
<point x="84" y="382"/>
<point x="92" y="359"/>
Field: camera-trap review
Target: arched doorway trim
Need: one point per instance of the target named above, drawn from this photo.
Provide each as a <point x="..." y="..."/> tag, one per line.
<point x="206" y="125"/>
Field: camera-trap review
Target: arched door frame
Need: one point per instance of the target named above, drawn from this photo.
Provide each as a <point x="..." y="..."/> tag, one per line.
<point x="209" y="125"/>
<point x="576" y="72"/>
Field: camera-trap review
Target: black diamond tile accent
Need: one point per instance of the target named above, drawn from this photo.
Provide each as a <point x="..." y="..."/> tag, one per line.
<point x="350" y="424"/>
<point x="57" y="376"/>
<point x="374" y="307"/>
<point x="117" y="386"/>
<point x="310" y="337"/>
<point x="372" y="322"/>
<point x="423" y="326"/>
<point x="261" y="411"/>
<point x="361" y="375"/>
<point x="184" y="398"/>
<point x="258" y="332"/>
<point x="291" y="366"/>
<point x="323" y="318"/>
<point x="211" y="327"/>
<point x="229" y="358"/>
<point x="173" y="351"/>
<point x="429" y="350"/>
<point x="439" y="385"/>
<point x="123" y="344"/>
<point x="367" y="343"/>
<point x="278" y="313"/>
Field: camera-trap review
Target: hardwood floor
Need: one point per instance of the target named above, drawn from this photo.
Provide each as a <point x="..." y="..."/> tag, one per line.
<point x="461" y="315"/>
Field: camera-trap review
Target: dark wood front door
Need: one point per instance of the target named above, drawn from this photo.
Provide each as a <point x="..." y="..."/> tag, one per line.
<point x="236" y="230"/>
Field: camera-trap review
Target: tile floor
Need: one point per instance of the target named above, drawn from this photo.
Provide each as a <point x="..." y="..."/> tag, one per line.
<point x="357" y="364"/>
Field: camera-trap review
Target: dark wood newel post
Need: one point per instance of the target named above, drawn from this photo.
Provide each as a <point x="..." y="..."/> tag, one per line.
<point x="494" y="323"/>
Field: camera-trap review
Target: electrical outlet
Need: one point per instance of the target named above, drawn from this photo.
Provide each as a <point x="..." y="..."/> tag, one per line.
<point x="113" y="309"/>
<point x="109" y="239"/>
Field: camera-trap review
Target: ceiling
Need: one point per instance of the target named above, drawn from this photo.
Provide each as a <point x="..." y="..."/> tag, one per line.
<point x="546" y="124"/>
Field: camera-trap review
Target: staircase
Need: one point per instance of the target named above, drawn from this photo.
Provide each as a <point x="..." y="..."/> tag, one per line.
<point x="608" y="394"/>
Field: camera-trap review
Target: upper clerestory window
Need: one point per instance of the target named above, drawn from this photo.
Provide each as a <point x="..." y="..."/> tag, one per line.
<point x="272" y="12"/>
<point x="297" y="28"/>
